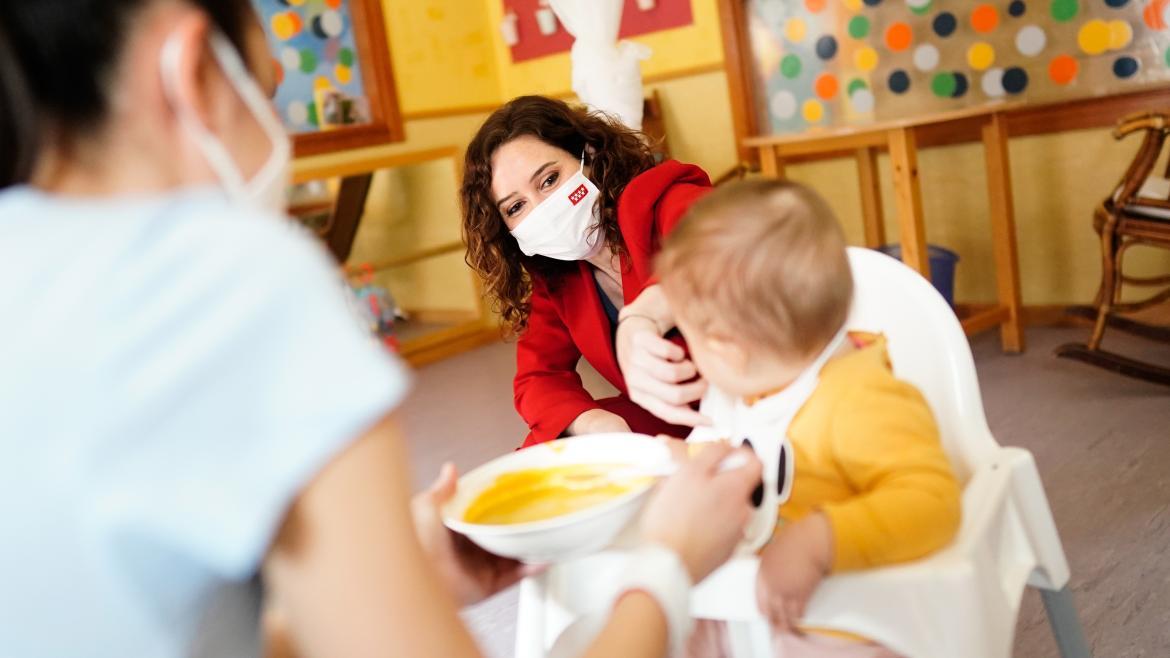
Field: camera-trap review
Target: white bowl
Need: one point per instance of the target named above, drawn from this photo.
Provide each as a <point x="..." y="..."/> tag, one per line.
<point x="570" y="535"/>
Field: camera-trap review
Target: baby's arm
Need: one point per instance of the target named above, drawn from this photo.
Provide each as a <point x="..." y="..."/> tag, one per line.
<point x="886" y="444"/>
<point x="792" y="565"/>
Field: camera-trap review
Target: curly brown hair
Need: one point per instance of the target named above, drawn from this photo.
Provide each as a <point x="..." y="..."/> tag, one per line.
<point x="616" y="155"/>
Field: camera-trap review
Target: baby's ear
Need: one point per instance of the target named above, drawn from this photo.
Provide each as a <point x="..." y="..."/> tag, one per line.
<point x="728" y="349"/>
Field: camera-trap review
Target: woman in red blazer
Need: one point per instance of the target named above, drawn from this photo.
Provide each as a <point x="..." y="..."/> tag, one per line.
<point x="563" y="212"/>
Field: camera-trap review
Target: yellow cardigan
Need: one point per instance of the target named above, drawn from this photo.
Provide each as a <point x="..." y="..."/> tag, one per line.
<point x="867" y="454"/>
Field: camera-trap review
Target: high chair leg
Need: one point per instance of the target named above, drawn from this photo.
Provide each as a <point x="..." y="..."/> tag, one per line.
<point x="750" y="639"/>
<point x="530" y="618"/>
<point x="1066" y="626"/>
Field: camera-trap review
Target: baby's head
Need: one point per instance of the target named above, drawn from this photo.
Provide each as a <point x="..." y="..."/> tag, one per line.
<point x="759" y="282"/>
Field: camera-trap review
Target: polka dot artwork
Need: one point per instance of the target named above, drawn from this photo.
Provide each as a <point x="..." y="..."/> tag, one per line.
<point x="795" y="29"/>
<point x="920" y="7"/>
<point x="1120" y="34"/>
<point x="1064" y="10"/>
<point x="943" y="84"/>
<point x="841" y="62"/>
<point x="984" y="19"/>
<point x="826" y="86"/>
<point x="328" y="24"/>
<point x="992" y="83"/>
<point x="812" y="111"/>
<point x="1154" y="14"/>
<point x="1030" y="40"/>
<point x="865" y="59"/>
<point x="862" y="101"/>
<point x="960" y="86"/>
<point x="944" y="24"/>
<point x="926" y="57"/>
<point x="1125" y="67"/>
<point x="980" y="55"/>
<point x="316" y="57"/>
<point x="1015" y="80"/>
<point x="790" y="66"/>
<point x="826" y="47"/>
<point x="1063" y="69"/>
<point x="298" y="113"/>
<point x="899" y="82"/>
<point x="898" y="37"/>
<point x="783" y="104"/>
<point x="286" y="25"/>
<point x="859" y="27"/>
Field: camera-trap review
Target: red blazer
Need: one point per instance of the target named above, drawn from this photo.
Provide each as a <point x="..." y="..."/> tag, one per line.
<point x="568" y="321"/>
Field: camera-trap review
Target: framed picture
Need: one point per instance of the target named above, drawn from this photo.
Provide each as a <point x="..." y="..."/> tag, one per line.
<point x="797" y="66"/>
<point x="336" y="84"/>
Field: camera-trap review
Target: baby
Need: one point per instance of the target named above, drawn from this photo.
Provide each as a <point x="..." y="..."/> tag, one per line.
<point x="761" y="286"/>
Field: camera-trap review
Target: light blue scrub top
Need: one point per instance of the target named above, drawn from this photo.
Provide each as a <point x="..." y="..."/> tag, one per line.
<point x="172" y="372"/>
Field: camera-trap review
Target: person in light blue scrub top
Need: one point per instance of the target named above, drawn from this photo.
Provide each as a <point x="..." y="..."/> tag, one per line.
<point x="188" y="405"/>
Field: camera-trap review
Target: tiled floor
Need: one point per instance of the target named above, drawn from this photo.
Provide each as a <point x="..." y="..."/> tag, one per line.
<point x="1102" y="443"/>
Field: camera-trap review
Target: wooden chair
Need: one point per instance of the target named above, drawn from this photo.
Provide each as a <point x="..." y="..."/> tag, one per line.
<point x="1137" y="213"/>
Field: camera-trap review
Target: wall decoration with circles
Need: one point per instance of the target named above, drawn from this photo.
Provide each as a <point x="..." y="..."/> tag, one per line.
<point x="841" y="62"/>
<point x="316" y="59"/>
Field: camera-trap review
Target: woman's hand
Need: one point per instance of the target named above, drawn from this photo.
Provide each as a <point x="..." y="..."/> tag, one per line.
<point x="471" y="573"/>
<point x="598" y="421"/>
<point x="658" y="375"/>
<point x="700" y="512"/>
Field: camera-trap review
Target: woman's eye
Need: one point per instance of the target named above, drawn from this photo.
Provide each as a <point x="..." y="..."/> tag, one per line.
<point x="551" y="180"/>
<point x="514" y="208"/>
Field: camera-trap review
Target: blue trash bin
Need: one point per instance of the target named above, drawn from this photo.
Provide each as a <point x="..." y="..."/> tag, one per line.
<point x="942" y="267"/>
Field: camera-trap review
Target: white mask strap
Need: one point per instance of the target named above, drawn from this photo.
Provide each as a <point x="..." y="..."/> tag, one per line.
<point x="214" y="151"/>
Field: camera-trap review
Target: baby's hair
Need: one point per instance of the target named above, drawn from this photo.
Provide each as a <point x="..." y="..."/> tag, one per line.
<point x="762" y="261"/>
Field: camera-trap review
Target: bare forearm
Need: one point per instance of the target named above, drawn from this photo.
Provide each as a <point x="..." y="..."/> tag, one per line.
<point x="637" y="629"/>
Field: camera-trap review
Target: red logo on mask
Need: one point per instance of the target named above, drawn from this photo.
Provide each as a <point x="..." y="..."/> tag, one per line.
<point x="580" y="193"/>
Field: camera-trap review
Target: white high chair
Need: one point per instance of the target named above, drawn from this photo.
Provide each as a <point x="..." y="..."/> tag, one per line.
<point x="959" y="603"/>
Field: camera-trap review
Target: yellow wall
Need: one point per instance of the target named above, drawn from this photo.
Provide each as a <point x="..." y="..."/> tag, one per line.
<point x="411" y="208"/>
<point x="442" y="53"/>
<point x="680" y="49"/>
<point x="1057" y="180"/>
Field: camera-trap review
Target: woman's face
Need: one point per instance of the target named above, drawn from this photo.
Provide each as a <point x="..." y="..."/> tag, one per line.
<point x="525" y="171"/>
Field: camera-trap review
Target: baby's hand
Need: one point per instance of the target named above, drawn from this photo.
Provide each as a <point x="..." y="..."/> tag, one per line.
<point x="791" y="567"/>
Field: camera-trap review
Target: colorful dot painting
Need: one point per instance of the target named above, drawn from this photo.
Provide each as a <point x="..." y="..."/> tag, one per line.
<point x="984" y="19"/>
<point x="944" y="24"/>
<point x="316" y="51"/>
<point x="841" y="62"/>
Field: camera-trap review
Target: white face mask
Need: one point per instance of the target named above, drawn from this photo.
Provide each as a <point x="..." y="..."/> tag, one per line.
<point x="564" y="225"/>
<point x="268" y="189"/>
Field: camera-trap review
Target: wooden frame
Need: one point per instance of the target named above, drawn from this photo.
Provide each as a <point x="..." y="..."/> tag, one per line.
<point x="1022" y="120"/>
<point x="385" y="125"/>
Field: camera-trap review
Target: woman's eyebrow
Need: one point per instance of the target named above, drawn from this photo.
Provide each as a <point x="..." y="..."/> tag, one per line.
<point x="504" y="200"/>
<point x="541" y="170"/>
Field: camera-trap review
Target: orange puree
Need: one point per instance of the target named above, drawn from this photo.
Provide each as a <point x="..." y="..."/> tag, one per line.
<point x="537" y="494"/>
